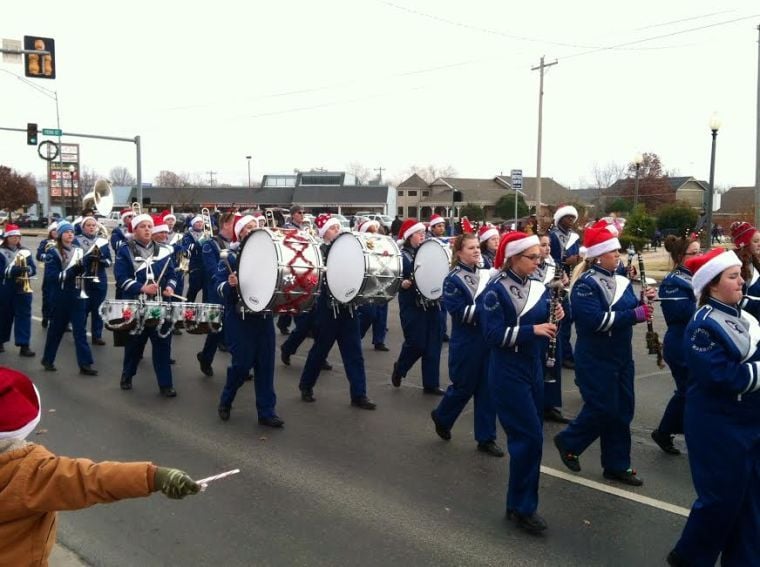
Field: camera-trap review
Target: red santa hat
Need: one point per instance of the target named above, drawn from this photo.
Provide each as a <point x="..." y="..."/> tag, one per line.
<point x="598" y="241"/>
<point x="564" y="211"/>
<point x="364" y="226"/>
<point x="467" y="226"/>
<point x="408" y="228"/>
<point x="742" y="233"/>
<point x="708" y="265"/>
<point x="11" y="230"/>
<point x="512" y="244"/>
<point x="142" y="217"/>
<point x="158" y="224"/>
<point x="19" y="405"/>
<point x="324" y="222"/>
<point x="240" y="223"/>
<point x="436" y="219"/>
<point x="608" y="225"/>
<point x="487" y="231"/>
<point x="128" y="212"/>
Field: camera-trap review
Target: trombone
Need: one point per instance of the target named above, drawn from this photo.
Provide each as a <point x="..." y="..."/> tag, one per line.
<point x="208" y="228"/>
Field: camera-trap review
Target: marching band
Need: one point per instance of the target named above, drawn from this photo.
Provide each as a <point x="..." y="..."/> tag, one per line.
<point x="512" y="306"/>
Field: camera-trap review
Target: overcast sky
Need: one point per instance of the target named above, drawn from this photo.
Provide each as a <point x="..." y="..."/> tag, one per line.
<point x="306" y="83"/>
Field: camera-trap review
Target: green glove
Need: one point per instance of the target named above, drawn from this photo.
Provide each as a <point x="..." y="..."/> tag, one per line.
<point x="175" y="483"/>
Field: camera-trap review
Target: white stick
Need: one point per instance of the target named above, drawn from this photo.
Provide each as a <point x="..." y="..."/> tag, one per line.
<point x="204" y="481"/>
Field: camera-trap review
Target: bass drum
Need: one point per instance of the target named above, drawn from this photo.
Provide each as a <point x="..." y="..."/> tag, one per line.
<point x="363" y="268"/>
<point x="432" y="264"/>
<point x="279" y="271"/>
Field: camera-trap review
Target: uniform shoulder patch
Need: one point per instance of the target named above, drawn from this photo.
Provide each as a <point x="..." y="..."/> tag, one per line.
<point x="490" y="300"/>
<point x="701" y="340"/>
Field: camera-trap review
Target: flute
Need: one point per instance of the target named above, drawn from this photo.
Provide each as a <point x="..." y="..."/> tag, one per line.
<point x="654" y="346"/>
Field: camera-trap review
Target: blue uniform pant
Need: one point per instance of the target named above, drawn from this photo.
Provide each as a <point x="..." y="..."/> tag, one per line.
<point x="68" y="308"/>
<point x="724" y="455"/>
<point x="672" y="419"/>
<point x="284" y="321"/>
<point x="468" y="366"/>
<point x="161" y="350"/>
<point x="553" y="390"/>
<point x="47" y="301"/>
<point x="518" y="398"/>
<point x="422" y="339"/>
<point x="344" y="330"/>
<point x="195" y="285"/>
<point x="444" y="322"/>
<point x="375" y="316"/>
<point x="96" y="297"/>
<point x="251" y="346"/>
<point x="304" y="323"/>
<point x="16" y="312"/>
<point x="608" y="405"/>
<point x="565" y="331"/>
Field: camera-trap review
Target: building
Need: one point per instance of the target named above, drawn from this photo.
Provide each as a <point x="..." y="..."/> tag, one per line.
<point x="655" y="191"/>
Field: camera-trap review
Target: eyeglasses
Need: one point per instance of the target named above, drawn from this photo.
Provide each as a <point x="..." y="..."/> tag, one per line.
<point x="531" y="257"/>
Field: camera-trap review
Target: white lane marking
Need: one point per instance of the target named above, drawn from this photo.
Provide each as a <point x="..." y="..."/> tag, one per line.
<point x="646" y="500"/>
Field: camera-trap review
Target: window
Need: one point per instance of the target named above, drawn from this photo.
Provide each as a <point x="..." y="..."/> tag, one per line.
<point x="400" y="193"/>
<point x="426" y="193"/>
<point x="400" y="211"/>
<point x="412" y="211"/>
<point x="412" y="193"/>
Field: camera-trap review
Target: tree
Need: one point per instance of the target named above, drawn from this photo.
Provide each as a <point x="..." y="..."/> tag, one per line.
<point x="604" y="176"/>
<point x="87" y="178"/>
<point x="167" y="178"/>
<point x="122" y="177"/>
<point x="360" y="171"/>
<point x="639" y="228"/>
<point x="619" y="206"/>
<point x="679" y="217"/>
<point x="16" y="190"/>
<point x="473" y="212"/>
<point x="651" y="166"/>
<point x="428" y="172"/>
<point x="505" y="206"/>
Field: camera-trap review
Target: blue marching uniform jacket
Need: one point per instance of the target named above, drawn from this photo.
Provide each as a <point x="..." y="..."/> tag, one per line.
<point x="251" y="342"/>
<point x="553" y="384"/>
<point x="67" y="305"/>
<point x="210" y="255"/>
<point x="751" y="300"/>
<point x="564" y="244"/>
<point x="130" y="270"/>
<point x="96" y="290"/>
<point x="678" y="306"/>
<point x="196" y="274"/>
<point x="15" y="305"/>
<point x="468" y="354"/>
<point x="722" y="425"/>
<point x="508" y="309"/>
<point x="603" y="305"/>
<point x="421" y="325"/>
<point x="46" y="288"/>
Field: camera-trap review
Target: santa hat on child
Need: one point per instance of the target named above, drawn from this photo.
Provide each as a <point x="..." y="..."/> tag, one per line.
<point x="742" y="233"/>
<point x="324" y="222"/>
<point x="487" y="231"/>
<point x="598" y="241"/>
<point x="128" y="212"/>
<point x="169" y="215"/>
<point x="564" y="211"/>
<point x="436" y="219"/>
<point x="19" y="405"/>
<point x="708" y="265"/>
<point x="142" y="217"/>
<point x="240" y="223"/>
<point x="11" y="230"/>
<point x="408" y="228"/>
<point x="364" y="226"/>
<point x="512" y="244"/>
<point x="159" y="225"/>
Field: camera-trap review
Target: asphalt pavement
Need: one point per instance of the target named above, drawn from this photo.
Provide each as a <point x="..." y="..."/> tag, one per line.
<point x="339" y="485"/>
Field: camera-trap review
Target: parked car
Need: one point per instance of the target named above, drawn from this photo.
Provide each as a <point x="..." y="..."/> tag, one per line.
<point x="384" y="220"/>
<point x="344" y="223"/>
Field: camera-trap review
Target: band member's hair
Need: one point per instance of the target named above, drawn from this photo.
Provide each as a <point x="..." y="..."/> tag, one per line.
<point x="226" y="218"/>
<point x="705" y="295"/>
<point x="584" y="266"/>
<point x="676" y="247"/>
<point x="749" y="260"/>
<point x="457" y="245"/>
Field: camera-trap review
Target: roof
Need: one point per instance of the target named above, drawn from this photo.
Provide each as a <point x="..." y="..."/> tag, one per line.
<point x="414" y="182"/>
<point x="552" y="193"/>
<point x="738" y="200"/>
<point x="473" y="190"/>
<point x="376" y="195"/>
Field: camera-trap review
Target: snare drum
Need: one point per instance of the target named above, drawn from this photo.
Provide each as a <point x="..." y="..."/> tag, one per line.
<point x="154" y="313"/>
<point x="279" y="271"/>
<point x="198" y="318"/>
<point x="363" y="268"/>
<point x="432" y="263"/>
<point x="120" y="314"/>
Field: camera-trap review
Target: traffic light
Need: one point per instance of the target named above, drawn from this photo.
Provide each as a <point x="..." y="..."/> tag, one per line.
<point x="39" y="66"/>
<point x="31" y="134"/>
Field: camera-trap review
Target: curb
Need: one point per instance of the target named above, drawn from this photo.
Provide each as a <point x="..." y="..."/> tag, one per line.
<point x="63" y="557"/>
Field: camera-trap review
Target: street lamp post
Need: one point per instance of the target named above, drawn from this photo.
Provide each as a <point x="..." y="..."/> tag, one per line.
<point x="249" y="170"/>
<point x="72" y="169"/>
<point x="714" y="127"/>
<point x="638" y="159"/>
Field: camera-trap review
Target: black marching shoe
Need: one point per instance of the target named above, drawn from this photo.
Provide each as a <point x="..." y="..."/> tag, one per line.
<point x="284" y="330"/>
<point x="555" y="415"/>
<point x="284" y="357"/>
<point x="381" y="347"/>
<point x="224" y="412"/>
<point x="665" y="442"/>
<point x="48" y="366"/>
<point x="177" y="332"/>
<point x="26" y="351"/>
<point x="168" y="392"/>
<point x="446" y="338"/>
<point x="396" y="376"/>
<point x="434" y="391"/>
<point x="531" y="523"/>
<point x="442" y="432"/>
<point x="568" y="363"/>
<point x="675" y="560"/>
<point x="44" y="323"/>
<point x="88" y="371"/>
<point x="570" y="460"/>
<point x="308" y="395"/>
<point x="364" y="403"/>
<point x="98" y="341"/>
<point x="2" y="348"/>
<point x="126" y="382"/>
<point x="273" y="421"/>
<point x="326" y="365"/>
<point x="223" y="347"/>
<point x="491" y="448"/>
<point x="205" y="366"/>
<point x="626" y="477"/>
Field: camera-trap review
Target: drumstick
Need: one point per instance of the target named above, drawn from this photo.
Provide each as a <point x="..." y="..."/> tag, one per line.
<point x="179" y="297"/>
<point x="205" y="481"/>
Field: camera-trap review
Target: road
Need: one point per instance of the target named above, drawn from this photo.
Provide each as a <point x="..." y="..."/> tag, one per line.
<point x="339" y="485"/>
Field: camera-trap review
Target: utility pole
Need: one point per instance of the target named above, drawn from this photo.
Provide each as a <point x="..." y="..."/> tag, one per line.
<point x="541" y="66"/>
<point x="380" y="173"/>
<point x="211" y="178"/>
<point x="757" y="143"/>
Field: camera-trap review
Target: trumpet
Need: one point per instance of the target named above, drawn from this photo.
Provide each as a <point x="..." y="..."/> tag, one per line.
<point x="20" y="262"/>
<point x="181" y="258"/>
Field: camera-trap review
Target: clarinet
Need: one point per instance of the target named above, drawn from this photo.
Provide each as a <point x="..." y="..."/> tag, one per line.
<point x="551" y="353"/>
<point x="654" y="346"/>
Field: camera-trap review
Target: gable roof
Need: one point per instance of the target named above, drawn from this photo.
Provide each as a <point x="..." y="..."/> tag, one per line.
<point x="738" y="200"/>
<point x="552" y="193"/>
<point x="413" y="182"/>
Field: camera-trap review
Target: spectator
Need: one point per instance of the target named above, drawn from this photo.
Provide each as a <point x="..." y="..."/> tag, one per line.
<point x="656" y="239"/>
<point x="715" y="234"/>
<point x="395" y="225"/>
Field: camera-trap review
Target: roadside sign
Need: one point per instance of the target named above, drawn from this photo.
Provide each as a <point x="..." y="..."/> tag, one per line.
<point x="517" y="179"/>
<point x="12" y="45"/>
<point x="52" y="132"/>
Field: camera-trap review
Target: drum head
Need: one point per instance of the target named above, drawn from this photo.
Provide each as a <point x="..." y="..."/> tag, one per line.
<point x="431" y="266"/>
<point x="345" y="268"/>
<point x="257" y="270"/>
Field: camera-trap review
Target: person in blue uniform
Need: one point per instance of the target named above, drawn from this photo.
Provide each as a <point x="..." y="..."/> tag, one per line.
<point x="192" y="242"/>
<point x="372" y="314"/>
<point x="488" y="236"/>
<point x="98" y="258"/>
<point x="437" y="230"/>
<point x="122" y="234"/>
<point x="210" y="255"/>
<point x="64" y="266"/>
<point x="605" y="309"/>
<point x="747" y="246"/>
<point x="550" y="276"/>
<point x="174" y="239"/>
<point x="251" y="340"/>
<point x="722" y="419"/>
<point x="336" y="323"/>
<point x="420" y="319"/>
<point x="15" y="303"/>
<point x="42" y="249"/>
<point x="565" y="248"/>
<point x="137" y="268"/>
<point x="468" y="353"/>
<point x="514" y="318"/>
<point x="678" y="307"/>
